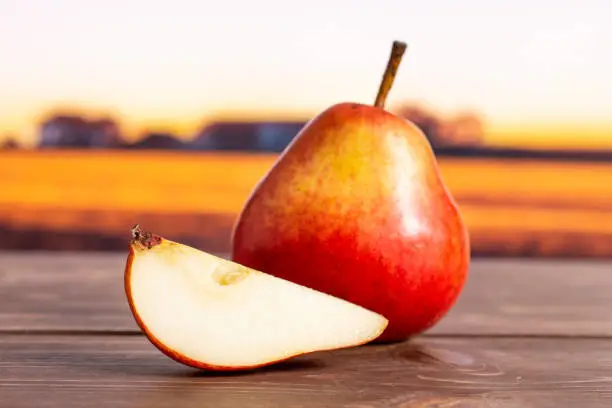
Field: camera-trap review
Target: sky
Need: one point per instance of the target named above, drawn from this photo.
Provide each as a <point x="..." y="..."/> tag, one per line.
<point x="537" y="70"/>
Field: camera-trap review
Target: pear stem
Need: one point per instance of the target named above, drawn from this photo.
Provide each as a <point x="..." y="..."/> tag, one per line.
<point x="143" y="238"/>
<point x="397" y="52"/>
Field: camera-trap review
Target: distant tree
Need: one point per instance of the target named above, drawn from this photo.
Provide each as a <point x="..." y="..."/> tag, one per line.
<point x="464" y="129"/>
<point x="426" y="120"/>
<point x="158" y="140"/>
<point x="9" y="143"/>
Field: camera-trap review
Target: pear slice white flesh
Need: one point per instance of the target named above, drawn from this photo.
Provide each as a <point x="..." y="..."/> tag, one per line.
<point x="208" y="312"/>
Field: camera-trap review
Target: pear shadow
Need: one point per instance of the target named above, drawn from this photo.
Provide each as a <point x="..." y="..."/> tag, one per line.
<point x="283" y="366"/>
<point x="93" y="364"/>
<point x="413" y="342"/>
<point x="390" y="343"/>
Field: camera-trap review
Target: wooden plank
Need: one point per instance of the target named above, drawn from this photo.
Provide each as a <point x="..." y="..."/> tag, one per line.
<point x="127" y="371"/>
<point x="502" y="297"/>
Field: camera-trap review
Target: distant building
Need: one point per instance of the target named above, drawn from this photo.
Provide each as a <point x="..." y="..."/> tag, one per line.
<point x="104" y="133"/>
<point x="75" y="131"/>
<point x="265" y="136"/>
<point x="64" y="131"/>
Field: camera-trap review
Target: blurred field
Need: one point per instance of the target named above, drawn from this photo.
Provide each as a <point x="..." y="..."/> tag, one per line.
<point x="89" y="200"/>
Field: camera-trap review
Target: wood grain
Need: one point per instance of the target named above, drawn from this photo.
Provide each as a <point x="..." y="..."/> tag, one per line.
<point x="124" y="371"/>
<point x="502" y="297"/>
<point x="523" y="334"/>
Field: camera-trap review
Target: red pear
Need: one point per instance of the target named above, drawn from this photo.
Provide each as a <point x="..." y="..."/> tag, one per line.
<point x="356" y="207"/>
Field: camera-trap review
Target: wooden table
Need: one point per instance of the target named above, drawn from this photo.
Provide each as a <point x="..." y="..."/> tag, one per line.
<point x="524" y="333"/>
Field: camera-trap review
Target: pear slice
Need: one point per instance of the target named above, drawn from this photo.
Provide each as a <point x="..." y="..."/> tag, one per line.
<point x="208" y="312"/>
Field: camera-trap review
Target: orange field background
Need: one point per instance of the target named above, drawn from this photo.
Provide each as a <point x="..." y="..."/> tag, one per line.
<point x="88" y="200"/>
